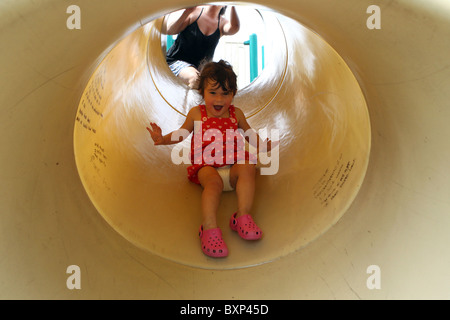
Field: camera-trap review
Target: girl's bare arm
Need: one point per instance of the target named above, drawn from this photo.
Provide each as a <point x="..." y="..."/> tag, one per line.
<point x="252" y="136"/>
<point x="175" y="136"/>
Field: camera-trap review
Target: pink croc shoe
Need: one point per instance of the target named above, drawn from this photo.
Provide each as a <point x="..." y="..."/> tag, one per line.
<point x="245" y="227"/>
<point x="212" y="243"/>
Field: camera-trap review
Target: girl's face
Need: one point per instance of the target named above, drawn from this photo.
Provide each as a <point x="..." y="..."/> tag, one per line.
<point x="217" y="100"/>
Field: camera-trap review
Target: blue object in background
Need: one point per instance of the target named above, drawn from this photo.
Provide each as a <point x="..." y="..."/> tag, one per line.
<point x="170" y="42"/>
<point x="262" y="53"/>
<point x="253" y="43"/>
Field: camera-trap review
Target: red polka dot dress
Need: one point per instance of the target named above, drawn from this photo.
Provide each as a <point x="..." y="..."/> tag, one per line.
<point x="217" y="143"/>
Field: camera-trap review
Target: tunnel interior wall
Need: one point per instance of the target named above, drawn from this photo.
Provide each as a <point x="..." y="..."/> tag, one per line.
<point x="398" y="220"/>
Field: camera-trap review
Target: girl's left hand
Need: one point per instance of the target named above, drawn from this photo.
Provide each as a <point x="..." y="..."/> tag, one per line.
<point x="155" y="133"/>
<point x="268" y="145"/>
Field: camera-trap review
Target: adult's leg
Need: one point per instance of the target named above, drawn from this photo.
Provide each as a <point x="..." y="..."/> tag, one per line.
<point x="212" y="190"/>
<point x="190" y="76"/>
<point x="242" y="178"/>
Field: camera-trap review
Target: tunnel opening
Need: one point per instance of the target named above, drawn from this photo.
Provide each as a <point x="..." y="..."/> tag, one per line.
<point x="306" y="92"/>
<point x="245" y="50"/>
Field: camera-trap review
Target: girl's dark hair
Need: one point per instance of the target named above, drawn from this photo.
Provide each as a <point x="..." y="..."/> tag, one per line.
<point x="220" y="72"/>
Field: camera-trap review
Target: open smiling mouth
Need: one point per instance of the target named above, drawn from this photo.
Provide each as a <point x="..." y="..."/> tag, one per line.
<point x="217" y="107"/>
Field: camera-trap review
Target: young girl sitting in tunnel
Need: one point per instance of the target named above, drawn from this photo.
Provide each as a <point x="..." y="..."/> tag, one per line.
<point x="220" y="163"/>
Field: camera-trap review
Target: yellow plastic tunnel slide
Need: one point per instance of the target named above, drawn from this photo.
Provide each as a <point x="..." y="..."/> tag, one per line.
<point x="354" y="203"/>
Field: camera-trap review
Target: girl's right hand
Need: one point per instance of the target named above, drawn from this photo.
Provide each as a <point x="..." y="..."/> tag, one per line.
<point x="156" y="133"/>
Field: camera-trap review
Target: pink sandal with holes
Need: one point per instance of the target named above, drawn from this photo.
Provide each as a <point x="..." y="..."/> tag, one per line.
<point x="212" y="243"/>
<point x="245" y="227"/>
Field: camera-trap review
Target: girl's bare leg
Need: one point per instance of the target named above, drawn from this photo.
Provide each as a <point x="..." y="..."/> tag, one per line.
<point x="242" y="178"/>
<point x="212" y="190"/>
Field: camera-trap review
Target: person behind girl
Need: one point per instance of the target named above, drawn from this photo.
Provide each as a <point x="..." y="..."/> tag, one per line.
<point x="236" y="170"/>
<point x="199" y="30"/>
